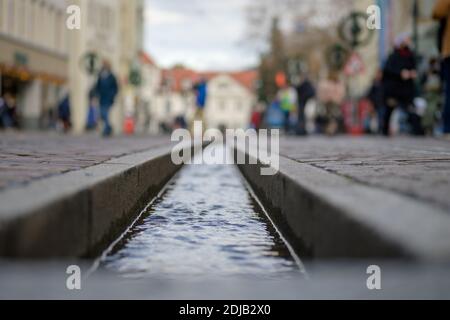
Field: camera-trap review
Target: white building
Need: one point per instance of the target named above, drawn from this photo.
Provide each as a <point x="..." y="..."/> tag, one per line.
<point x="148" y="92"/>
<point x="33" y="56"/>
<point x="230" y="98"/>
<point x="111" y="29"/>
<point x="174" y="98"/>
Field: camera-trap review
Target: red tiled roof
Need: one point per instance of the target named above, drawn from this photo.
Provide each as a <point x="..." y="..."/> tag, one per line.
<point x="178" y="75"/>
<point x="146" y="58"/>
<point x="246" y="78"/>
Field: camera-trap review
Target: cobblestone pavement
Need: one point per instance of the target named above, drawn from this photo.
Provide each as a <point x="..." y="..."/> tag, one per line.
<point x="28" y="156"/>
<point x="415" y="167"/>
<point x="419" y="168"/>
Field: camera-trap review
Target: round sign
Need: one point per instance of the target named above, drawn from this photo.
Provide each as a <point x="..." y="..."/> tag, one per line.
<point x="353" y="30"/>
<point x="135" y="77"/>
<point x="91" y="63"/>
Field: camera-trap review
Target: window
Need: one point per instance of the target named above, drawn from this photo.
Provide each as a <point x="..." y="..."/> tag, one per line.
<point x="426" y="8"/>
<point x="55" y="29"/>
<point x="2" y="14"/>
<point x="40" y="30"/>
<point x="186" y="84"/>
<point x="32" y="18"/>
<point x="168" y="107"/>
<point x="27" y="19"/>
<point x="223" y="85"/>
<point x="59" y="32"/>
<point x="239" y="105"/>
<point x="50" y="27"/>
<point x="10" y="16"/>
<point x="21" y="18"/>
<point x="105" y="18"/>
<point x="91" y="13"/>
<point x="222" y="105"/>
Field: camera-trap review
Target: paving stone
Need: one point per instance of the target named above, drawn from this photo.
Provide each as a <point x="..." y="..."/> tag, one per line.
<point x="25" y="157"/>
<point x="416" y="167"/>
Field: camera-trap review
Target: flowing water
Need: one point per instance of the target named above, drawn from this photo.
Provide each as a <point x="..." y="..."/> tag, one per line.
<point x="205" y="223"/>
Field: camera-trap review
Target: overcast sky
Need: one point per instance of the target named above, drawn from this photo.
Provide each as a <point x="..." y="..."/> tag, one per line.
<point x="202" y="34"/>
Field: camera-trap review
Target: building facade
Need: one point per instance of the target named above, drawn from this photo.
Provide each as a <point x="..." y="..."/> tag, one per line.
<point x="398" y="17"/>
<point x="148" y="92"/>
<point x="230" y="99"/>
<point x="33" y="57"/>
<point x="110" y="30"/>
<point x="174" y="97"/>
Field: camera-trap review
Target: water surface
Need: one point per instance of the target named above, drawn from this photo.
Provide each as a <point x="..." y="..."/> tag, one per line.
<point x="206" y="223"/>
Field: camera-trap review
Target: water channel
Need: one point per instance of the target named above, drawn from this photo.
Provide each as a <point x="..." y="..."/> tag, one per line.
<point x="206" y="222"/>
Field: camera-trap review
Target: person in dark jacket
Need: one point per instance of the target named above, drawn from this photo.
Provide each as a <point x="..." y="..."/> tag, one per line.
<point x="305" y="92"/>
<point x="376" y="97"/>
<point x="441" y="12"/>
<point x="64" y="113"/>
<point x="399" y="76"/>
<point x="107" y="90"/>
<point x="8" y="112"/>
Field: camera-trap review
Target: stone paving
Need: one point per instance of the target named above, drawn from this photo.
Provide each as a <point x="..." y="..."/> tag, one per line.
<point x="416" y="167"/>
<point x="25" y="157"/>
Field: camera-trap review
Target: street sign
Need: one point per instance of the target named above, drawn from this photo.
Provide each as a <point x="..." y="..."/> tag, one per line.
<point x="91" y="63"/>
<point x="354" y="66"/>
<point x="135" y="74"/>
<point x="135" y="77"/>
<point x="336" y="56"/>
<point x="353" y="30"/>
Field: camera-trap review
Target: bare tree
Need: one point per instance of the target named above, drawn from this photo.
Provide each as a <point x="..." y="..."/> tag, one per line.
<point x="282" y="29"/>
<point x="296" y="17"/>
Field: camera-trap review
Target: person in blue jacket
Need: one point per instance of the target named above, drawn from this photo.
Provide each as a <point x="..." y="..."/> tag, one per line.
<point x="106" y="90"/>
<point x="201" y="93"/>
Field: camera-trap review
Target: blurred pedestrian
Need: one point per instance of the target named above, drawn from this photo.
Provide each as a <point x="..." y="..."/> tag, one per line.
<point x="399" y="75"/>
<point x="441" y="12"/>
<point x="8" y="112"/>
<point x="256" y="119"/>
<point x="107" y="89"/>
<point x="92" y="116"/>
<point x="331" y="95"/>
<point x="2" y="112"/>
<point x="64" y="113"/>
<point x="180" y="122"/>
<point x="274" y="116"/>
<point x="201" y="95"/>
<point x="305" y="92"/>
<point x="288" y="102"/>
<point x="376" y="98"/>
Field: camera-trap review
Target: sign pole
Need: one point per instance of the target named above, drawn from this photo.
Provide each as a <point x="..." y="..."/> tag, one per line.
<point x="354" y="33"/>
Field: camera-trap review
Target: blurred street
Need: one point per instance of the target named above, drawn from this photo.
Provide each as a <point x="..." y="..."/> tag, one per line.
<point x="344" y="103"/>
<point x="323" y="67"/>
